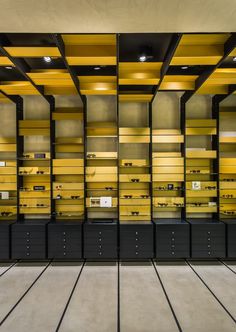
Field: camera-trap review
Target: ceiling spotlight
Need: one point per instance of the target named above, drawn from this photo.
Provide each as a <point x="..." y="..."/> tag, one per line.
<point x="97" y="68"/>
<point x="47" y="59"/>
<point x="234" y="59"/>
<point x="142" y="58"/>
<point x="184" y="67"/>
<point x="8" y="67"/>
<point x="145" y="53"/>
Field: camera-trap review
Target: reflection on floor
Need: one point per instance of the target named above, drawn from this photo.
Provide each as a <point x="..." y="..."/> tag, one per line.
<point x="118" y="296"/>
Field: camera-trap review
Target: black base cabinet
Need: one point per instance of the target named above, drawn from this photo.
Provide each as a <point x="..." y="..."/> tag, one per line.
<point x="230" y="237"/>
<point x="207" y="238"/>
<point x="29" y="239"/>
<point x="172" y="238"/>
<point x="5" y="239"/>
<point x="65" y="240"/>
<point x="136" y="241"/>
<point x="100" y="240"/>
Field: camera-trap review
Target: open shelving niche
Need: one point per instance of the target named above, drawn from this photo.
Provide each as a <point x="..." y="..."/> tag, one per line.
<point x="101" y="158"/>
<point x="168" y="157"/>
<point x="227" y="158"/>
<point x="34" y="159"/>
<point x="134" y="162"/>
<point x="68" y="159"/>
<point x="201" y="163"/>
<point x="8" y="160"/>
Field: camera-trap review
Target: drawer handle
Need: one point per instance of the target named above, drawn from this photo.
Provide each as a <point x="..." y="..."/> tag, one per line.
<point x="135" y="213"/>
<point x="135" y="180"/>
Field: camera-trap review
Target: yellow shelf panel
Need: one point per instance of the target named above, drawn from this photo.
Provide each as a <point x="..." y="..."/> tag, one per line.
<point x="141" y="98"/>
<point x="32" y="52"/>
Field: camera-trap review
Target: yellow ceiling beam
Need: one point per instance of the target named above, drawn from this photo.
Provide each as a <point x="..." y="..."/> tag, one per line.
<point x="141" y="98"/>
<point x="204" y="39"/>
<point x="213" y="89"/>
<point x="233" y="53"/>
<point x="60" y="90"/>
<point x="18" y="87"/>
<point x="98" y="88"/>
<point x="197" y="55"/>
<point x="4" y="61"/>
<point x="91" y="39"/>
<point x="140" y="66"/>
<point x="96" y="79"/>
<point x="139" y="81"/>
<point x="91" y="55"/>
<point x="180" y="78"/>
<point x="177" y="86"/>
<point x="32" y="52"/>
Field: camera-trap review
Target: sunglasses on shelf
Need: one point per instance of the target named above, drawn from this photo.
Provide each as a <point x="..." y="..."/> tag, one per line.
<point x="23" y="205"/>
<point x="59" y="187"/>
<point x="91" y="155"/>
<point x="6" y="214"/>
<point x="40" y="172"/>
<point x="75" y="197"/>
<point x="128" y="164"/>
<point x="229" y="180"/>
<point x="160" y="188"/>
<point x="109" y="188"/>
<point x="228" y="196"/>
<point x="135" y="213"/>
<point x="135" y="180"/>
<point x="40" y="205"/>
<point x="162" y="204"/>
<point x="195" y="171"/>
<point x="144" y="196"/>
<point x="210" y="188"/>
<point x="229" y="212"/>
<point x="127" y="196"/>
<point x="24" y="189"/>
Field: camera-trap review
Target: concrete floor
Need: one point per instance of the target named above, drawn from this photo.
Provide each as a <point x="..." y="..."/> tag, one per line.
<point x="109" y="297"/>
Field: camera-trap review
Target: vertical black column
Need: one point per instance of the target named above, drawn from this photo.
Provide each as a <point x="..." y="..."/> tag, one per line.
<point x="19" y="151"/>
<point x="150" y="157"/>
<point x="183" y="151"/>
<point x="216" y="147"/>
<point x="52" y="154"/>
<point x="85" y="155"/>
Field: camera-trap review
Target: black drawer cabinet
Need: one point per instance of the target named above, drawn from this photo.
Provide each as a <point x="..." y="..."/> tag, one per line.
<point x="65" y="240"/>
<point x="136" y="241"/>
<point x="5" y="239"/>
<point x="29" y="239"/>
<point x="100" y="240"/>
<point x="230" y="237"/>
<point x="172" y="238"/>
<point x="207" y="238"/>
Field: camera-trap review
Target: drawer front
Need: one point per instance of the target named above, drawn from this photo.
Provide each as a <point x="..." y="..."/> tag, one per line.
<point x="169" y="253"/>
<point x="100" y="253"/>
<point x="28" y="241"/>
<point x="62" y="253"/>
<point x="133" y="253"/>
<point x="21" y="253"/>
<point x="172" y="231"/>
<point x="178" y="244"/>
<point x="136" y="238"/>
<point x="28" y="228"/>
<point x="212" y="230"/>
<point x="208" y="253"/>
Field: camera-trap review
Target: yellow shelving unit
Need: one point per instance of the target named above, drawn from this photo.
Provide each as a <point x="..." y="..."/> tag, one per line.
<point x="68" y="163"/>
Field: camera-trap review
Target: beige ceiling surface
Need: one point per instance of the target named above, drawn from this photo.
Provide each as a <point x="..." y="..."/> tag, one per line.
<point x="117" y="15"/>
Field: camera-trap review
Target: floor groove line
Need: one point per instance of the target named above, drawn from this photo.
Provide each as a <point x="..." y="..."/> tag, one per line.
<point x="13" y="264"/>
<point x="226" y="265"/>
<point x="209" y="289"/>
<point x="118" y="295"/>
<point x="70" y="297"/>
<point x="25" y="293"/>
<point x="167" y="297"/>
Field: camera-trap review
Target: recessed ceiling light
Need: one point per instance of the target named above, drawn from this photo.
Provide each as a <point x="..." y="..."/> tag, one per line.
<point x="184" y="67"/>
<point x="97" y="68"/>
<point x="234" y="58"/>
<point x="8" y="67"/>
<point x="47" y="59"/>
<point x="142" y="58"/>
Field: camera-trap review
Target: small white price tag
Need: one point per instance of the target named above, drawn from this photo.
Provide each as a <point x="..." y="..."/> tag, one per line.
<point x="5" y="195"/>
<point x="2" y="163"/>
<point x="106" y="202"/>
<point x="196" y="185"/>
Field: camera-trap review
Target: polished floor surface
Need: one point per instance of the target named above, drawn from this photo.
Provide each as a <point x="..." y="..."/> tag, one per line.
<point x="186" y="296"/>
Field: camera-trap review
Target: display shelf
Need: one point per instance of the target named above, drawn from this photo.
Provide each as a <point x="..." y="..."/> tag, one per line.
<point x="8" y="189"/>
<point x="68" y="164"/>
